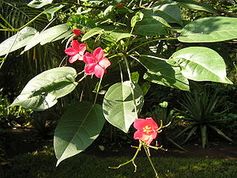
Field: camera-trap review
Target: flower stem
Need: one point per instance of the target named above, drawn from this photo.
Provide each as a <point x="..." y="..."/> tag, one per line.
<point x="131" y="160"/>
<point x="132" y="86"/>
<point x="97" y="90"/>
<point x="148" y="156"/>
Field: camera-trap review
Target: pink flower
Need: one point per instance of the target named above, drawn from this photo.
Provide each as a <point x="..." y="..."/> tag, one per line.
<point x="96" y="63"/>
<point x="146" y="130"/>
<point x="76" y="51"/>
<point x="76" y="32"/>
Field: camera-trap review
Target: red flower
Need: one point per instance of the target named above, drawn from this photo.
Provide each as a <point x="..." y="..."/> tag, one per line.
<point x="76" y="51"/>
<point x="96" y="63"/>
<point x="146" y="130"/>
<point x="76" y="32"/>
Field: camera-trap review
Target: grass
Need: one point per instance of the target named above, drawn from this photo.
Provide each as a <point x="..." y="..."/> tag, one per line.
<point x="42" y="165"/>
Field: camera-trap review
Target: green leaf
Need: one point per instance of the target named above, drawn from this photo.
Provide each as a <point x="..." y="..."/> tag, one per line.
<point x="43" y="90"/>
<point x="115" y="36"/>
<point x="190" y="4"/>
<point x="136" y="18"/>
<point x="51" y="11"/>
<point x="17" y="41"/>
<point x="49" y="35"/>
<point x="119" y="104"/>
<point x="39" y="3"/>
<point x="92" y="32"/>
<point x="209" y="29"/>
<point x="170" y="12"/>
<point x="79" y="126"/>
<point x="220" y="133"/>
<point x="201" y="64"/>
<point x="163" y="73"/>
<point x="151" y="25"/>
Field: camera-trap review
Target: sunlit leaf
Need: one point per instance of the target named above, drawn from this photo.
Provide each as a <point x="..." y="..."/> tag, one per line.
<point x="49" y="35"/>
<point x="39" y="3"/>
<point x="201" y="64"/>
<point x="92" y="32"/>
<point x="197" y="6"/>
<point x="51" y="11"/>
<point x="17" y="41"/>
<point x="163" y="73"/>
<point x="43" y="90"/>
<point x="119" y="104"/>
<point x="136" y="18"/>
<point x="209" y="29"/>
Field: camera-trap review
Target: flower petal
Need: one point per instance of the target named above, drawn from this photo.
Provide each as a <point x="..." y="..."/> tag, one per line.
<point x="138" y="135"/>
<point x="74" y="58"/>
<point x="139" y="124"/>
<point x="82" y="48"/>
<point x="147" y="139"/>
<point x="89" y="69"/>
<point x="99" y="71"/>
<point x="70" y="51"/>
<point x="104" y="63"/>
<point x="75" y="44"/>
<point x="89" y="58"/>
<point x="99" y="54"/>
<point x="151" y="123"/>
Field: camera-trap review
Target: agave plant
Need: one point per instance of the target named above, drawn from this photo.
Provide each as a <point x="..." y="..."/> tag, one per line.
<point x="203" y="111"/>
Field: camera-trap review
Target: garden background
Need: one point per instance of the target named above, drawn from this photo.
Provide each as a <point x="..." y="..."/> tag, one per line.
<point x="174" y="61"/>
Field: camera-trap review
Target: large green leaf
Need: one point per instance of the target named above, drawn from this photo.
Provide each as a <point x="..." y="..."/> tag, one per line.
<point x="42" y="91"/>
<point x="49" y="35"/>
<point x="209" y="29"/>
<point x="200" y="64"/>
<point x="77" y="129"/>
<point x="119" y="104"/>
<point x="17" y="41"/>
<point x="39" y="3"/>
<point x="163" y="73"/>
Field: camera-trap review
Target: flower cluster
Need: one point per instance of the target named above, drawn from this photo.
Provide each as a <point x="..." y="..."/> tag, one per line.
<point x="95" y="62"/>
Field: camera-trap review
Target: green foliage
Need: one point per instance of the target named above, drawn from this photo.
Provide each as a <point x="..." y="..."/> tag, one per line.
<point x="12" y="116"/>
<point x="134" y="35"/>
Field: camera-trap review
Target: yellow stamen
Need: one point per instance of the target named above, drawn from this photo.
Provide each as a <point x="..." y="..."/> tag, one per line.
<point x="147" y="129"/>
